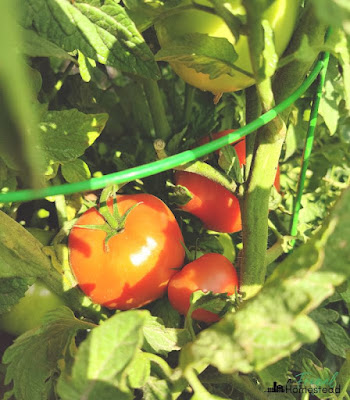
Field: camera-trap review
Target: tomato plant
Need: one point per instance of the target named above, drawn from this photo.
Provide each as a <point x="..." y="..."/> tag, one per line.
<point x="140" y="259"/>
<point x="28" y="312"/>
<point x="210" y="272"/>
<point x="281" y="15"/>
<point x="89" y="102"/>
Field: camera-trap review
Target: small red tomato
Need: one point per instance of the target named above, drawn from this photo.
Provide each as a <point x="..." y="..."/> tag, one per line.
<point x="141" y="258"/>
<point x="214" y="205"/>
<point x="211" y="272"/>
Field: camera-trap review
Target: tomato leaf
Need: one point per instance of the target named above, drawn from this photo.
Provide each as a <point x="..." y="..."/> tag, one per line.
<point x="65" y="135"/>
<point x="156" y="389"/>
<point x="36" y="46"/>
<point x="162" y="340"/>
<point x="11" y="290"/>
<point x="139" y="370"/>
<point x="228" y="161"/>
<point x="102" y="359"/>
<point x="76" y="171"/>
<point x="276" y="318"/>
<point x="209" y="55"/>
<point x="104" y="33"/>
<point x="32" y="359"/>
<point x="333" y="335"/>
<point x="276" y="372"/>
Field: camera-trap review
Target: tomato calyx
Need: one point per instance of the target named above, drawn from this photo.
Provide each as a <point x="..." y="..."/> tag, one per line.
<point x="114" y="222"/>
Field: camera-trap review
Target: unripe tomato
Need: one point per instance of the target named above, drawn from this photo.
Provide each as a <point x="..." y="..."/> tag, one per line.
<point x="281" y="14"/>
<point x="29" y="311"/>
<point x="211" y="272"/>
<point x="141" y="258"/>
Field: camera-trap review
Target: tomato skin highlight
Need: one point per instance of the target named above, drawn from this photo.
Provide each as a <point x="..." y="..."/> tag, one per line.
<point x="140" y="261"/>
<point x="282" y="15"/>
<point x="211" y="272"/>
<point x="27" y="314"/>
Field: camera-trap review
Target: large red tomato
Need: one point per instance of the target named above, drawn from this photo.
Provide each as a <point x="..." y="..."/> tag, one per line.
<point x="211" y="272"/>
<point x="141" y="258"/>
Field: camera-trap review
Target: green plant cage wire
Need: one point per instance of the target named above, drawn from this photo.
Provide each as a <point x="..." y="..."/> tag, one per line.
<point x="153" y="168"/>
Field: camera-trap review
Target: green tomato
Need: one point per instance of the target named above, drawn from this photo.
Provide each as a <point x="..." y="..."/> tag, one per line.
<point x="281" y="14"/>
<point x="29" y="311"/>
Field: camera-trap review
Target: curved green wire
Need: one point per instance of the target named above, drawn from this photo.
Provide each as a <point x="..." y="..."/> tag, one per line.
<point x="171" y="162"/>
<point x="308" y="146"/>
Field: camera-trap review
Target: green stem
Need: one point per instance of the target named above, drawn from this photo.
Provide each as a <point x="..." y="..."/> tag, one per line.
<point x="193" y="380"/>
<point x="255" y="207"/>
<point x="59" y="83"/>
<point x="161" y="363"/>
<point x="308" y="148"/>
<point x="255" y="202"/>
<point x="253" y="111"/>
<point x="60" y="203"/>
<point x="154" y="99"/>
<point x="189" y="97"/>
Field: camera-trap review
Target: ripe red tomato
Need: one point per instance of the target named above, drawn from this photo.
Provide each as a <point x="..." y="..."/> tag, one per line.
<point x="211" y="272"/>
<point x="214" y="205"/>
<point x="141" y="258"/>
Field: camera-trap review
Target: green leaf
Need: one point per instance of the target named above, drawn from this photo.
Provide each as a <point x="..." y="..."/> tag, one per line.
<point x="103" y="357"/>
<point x="33" y="358"/>
<point x="75" y="171"/>
<point x="274" y="323"/>
<point x="229" y="162"/>
<point x="163" y="309"/>
<point x="139" y="370"/>
<point x="86" y="65"/>
<point x="11" y="290"/>
<point x="162" y="340"/>
<point x="36" y="46"/>
<point x="298" y="359"/>
<point x="104" y="33"/>
<point x="20" y="253"/>
<point x="276" y="372"/>
<point x="334" y="12"/>
<point x="206" y="54"/>
<point x="334" y="335"/>
<point x="66" y="134"/>
<point x="156" y="389"/>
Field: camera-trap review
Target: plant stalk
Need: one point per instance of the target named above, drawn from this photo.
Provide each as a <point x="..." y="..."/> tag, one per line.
<point x="154" y="99"/>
